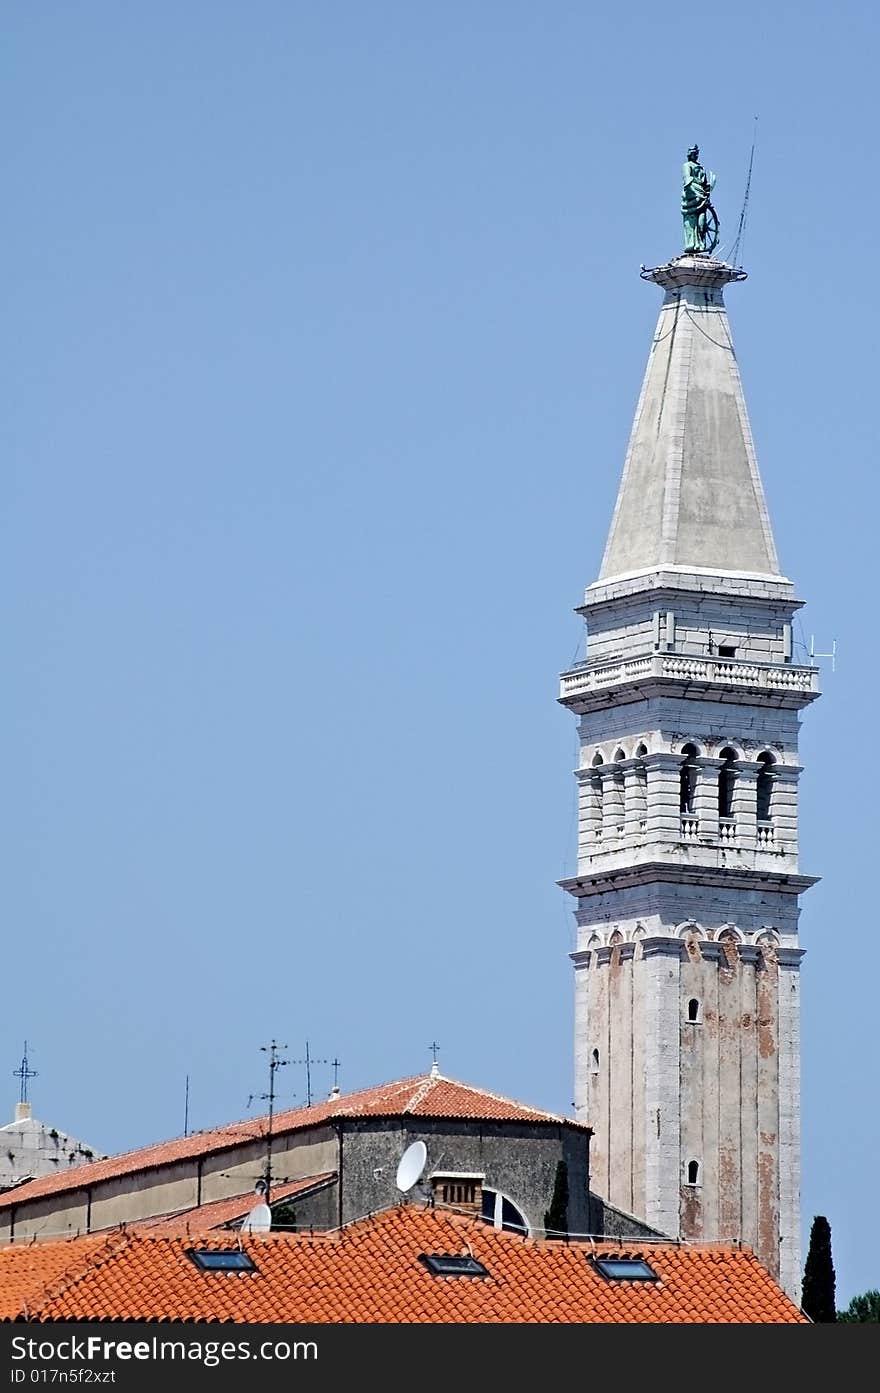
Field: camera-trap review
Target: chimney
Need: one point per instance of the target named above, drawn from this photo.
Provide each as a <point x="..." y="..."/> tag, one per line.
<point x="458" y="1190"/>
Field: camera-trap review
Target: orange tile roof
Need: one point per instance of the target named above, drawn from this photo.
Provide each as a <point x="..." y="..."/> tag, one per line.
<point x="215" y="1215"/>
<point x="27" y="1279"/>
<point x="371" y="1273"/>
<point x="426" y="1095"/>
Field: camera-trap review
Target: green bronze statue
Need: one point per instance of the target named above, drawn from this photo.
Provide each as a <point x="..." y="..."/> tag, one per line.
<point x="698" y="215"/>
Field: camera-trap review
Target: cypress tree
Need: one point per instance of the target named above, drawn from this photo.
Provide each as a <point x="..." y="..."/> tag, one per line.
<point x="817" y="1292"/>
<point x="556" y="1217"/>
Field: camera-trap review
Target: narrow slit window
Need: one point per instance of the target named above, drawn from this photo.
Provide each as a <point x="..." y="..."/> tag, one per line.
<point x="693" y="1172"/>
<point x="594" y="1062"/>
<point x="693" y="1011"/>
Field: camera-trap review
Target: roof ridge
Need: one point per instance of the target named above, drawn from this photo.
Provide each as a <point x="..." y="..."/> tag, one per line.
<point x="114" y="1244"/>
<point x="421" y="1093"/>
<point x="503" y="1098"/>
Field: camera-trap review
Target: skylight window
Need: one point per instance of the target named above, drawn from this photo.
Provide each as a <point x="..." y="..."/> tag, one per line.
<point x="625" y="1269"/>
<point x="452" y="1265"/>
<point x="221" y="1260"/>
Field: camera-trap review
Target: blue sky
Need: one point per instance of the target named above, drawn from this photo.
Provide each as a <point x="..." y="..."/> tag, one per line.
<point x="323" y="332"/>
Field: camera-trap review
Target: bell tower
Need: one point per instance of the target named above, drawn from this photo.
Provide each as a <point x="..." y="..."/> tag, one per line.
<point x="687" y="1014"/>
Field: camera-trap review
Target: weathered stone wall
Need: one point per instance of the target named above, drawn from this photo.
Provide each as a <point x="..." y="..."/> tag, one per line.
<point x="29" y="1148"/>
<point x="518" y="1161"/>
<point x="700" y="622"/>
<point x="717" y="1092"/>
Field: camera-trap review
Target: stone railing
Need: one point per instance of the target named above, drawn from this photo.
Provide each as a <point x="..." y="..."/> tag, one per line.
<point x="724" y="672"/>
<point x="765" y="835"/>
<point x="690" y="827"/>
<point x="726" y="829"/>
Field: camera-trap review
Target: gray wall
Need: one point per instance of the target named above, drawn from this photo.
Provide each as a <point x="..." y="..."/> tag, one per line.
<point x="518" y="1159"/>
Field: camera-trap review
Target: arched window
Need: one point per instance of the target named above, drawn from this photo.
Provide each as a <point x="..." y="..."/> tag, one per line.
<point x="614" y="810"/>
<point x="726" y="783"/>
<point x="595" y="801"/>
<point x="693" y="1172"/>
<point x="765" y="786"/>
<point x="688" y="786"/>
<point x="693" y="1011"/>
<point x="640" y="789"/>
<point x="502" y="1213"/>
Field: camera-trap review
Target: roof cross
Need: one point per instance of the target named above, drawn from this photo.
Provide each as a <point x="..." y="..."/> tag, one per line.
<point x="24" y="1072"/>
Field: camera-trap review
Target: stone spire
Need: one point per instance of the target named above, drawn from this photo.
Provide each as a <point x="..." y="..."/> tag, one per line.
<point x="691" y="496"/>
<point x="688" y="957"/>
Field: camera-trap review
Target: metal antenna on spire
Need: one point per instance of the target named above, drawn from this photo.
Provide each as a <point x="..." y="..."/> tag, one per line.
<point x="734" y="251"/>
<point x="24" y="1072"/>
<point x="275" y="1063"/>
<point x="832" y="655"/>
<point x="186" y="1108"/>
<point x="308" y="1060"/>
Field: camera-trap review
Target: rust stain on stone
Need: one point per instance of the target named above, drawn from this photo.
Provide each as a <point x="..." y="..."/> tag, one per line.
<point x="767" y="1005"/>
<point x="766" y="1034"/>
<point x="691" y="1213"/>
<point x="768" y="1212"/>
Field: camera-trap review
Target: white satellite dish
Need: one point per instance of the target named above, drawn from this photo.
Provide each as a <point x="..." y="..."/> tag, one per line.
<point x="411" y="1165"/>
<point x="258" y="1221"/>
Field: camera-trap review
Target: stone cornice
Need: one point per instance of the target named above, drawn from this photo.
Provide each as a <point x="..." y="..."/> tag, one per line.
<point x="666" y="946"/>
<point x="670" y="873"/>
<point x="667" y="586"/>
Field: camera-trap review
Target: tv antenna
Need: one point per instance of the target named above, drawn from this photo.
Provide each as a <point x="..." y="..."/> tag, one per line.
<point x="308" y="1060"/>
<point x="275" y="1063"/>
<point x="832" y="655"/>
<point x="24" y="1072"/>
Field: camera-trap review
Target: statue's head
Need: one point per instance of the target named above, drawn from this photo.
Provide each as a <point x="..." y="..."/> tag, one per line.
<point x="694" y="153"/>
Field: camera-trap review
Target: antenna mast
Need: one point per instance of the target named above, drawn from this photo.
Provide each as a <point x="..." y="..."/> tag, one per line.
<point x="308" y="1060"/>
<point x="275" y="1063"/>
